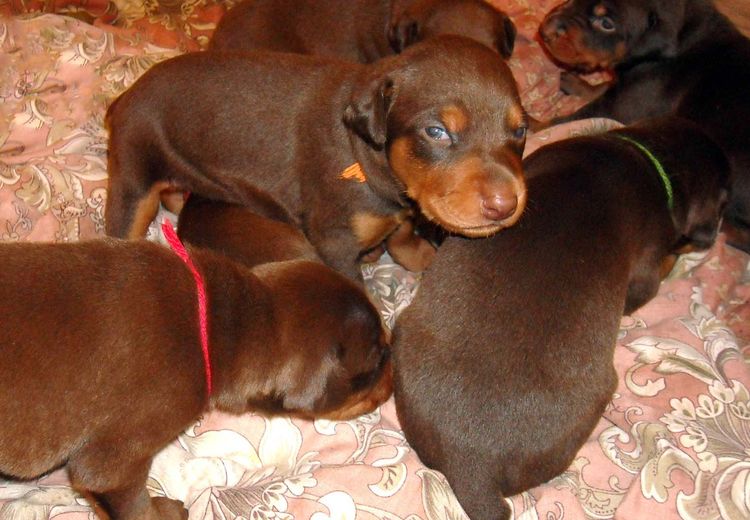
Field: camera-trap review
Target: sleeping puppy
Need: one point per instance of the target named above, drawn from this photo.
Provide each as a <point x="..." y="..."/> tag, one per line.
<point x="681" y="57"/>
<point x="117" y="347"/>
<point x="503" y="362"/>
<point x="349" y="150"/>
<point x="358" y="30"/>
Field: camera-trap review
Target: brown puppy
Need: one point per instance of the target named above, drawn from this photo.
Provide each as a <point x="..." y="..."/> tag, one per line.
<point x="503" y="362"/>
<point x="110" y="328"/>
<point x="349" y="150"/>
<point x="253" y="234"/>
<point x="358" y="30"/>
<point x="681" y="57"/>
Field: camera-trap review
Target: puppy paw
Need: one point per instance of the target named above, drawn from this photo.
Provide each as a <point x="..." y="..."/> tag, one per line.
<point x="169" y="509"/>
<point x="409" y="250"/>
<point x="572" y="85"/>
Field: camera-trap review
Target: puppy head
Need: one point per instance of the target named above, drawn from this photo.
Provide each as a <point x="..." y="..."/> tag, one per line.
<point x="699" y="173"/>
<point x="335" y="351"/>
<point x="448" y="116"/>
<point x="474" y="19"/>
<point x="589" y="35"/>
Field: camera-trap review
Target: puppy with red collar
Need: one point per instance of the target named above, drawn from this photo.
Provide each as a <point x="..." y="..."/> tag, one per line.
<point x="118" y="346"/>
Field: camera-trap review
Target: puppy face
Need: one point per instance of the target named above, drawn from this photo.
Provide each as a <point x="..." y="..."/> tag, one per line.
<point x="474" y="19"/>
<point x="451" y="122"/>
<point x="336" y="352"/>
<point x="589" y="35"/>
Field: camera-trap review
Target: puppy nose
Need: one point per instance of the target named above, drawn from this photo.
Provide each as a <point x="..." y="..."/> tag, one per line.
<point x="499" y="206"/>
<point x="561" y="26"/>
<point x="555" y="26"/>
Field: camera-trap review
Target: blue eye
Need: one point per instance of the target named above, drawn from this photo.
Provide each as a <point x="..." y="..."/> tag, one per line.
<point x="603" y="24"/>
<point x="437" y="133"/>
<point x="520" y="132"/>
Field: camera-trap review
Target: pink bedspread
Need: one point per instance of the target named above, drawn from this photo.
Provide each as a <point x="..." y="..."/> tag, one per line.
<point x="674" y="443"/>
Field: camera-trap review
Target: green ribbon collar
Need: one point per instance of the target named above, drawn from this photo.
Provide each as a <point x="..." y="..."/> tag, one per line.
<point x="657" y="165"/>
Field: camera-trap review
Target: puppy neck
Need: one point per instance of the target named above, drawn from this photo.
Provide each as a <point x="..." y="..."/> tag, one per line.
<point x="663" y="175"/>
<point x="377" y="171"/>
<point x="240" y="327"/>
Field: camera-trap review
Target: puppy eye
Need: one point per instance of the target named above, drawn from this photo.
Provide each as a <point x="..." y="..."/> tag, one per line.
<point x="437" y="133"/>
<point x="603" y="24"/>
<point x="520" y="132"/>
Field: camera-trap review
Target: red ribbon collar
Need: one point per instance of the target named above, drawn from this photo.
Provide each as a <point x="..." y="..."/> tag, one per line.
<point x="179" y="249"/>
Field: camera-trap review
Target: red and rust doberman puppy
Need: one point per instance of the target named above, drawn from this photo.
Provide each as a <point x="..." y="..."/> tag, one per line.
<point x="348" y="150"/>
<point x="681" y="57"/>
<point x="358" y="30"/>
<point x="503" y="362"/>
<point x="121" y="352"/>
<point x="364" y="31"/>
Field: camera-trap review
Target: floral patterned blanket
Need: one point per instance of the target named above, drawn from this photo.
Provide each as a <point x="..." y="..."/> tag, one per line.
<point x="674" y="442"/>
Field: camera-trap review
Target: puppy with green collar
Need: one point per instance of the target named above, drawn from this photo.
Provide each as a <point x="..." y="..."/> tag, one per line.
<point x="503" y="362"/>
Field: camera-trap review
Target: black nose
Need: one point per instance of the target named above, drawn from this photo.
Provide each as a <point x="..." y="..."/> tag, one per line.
<point x="560" y="25"/>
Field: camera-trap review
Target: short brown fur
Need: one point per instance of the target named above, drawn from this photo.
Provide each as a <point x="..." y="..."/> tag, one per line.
<point x="287" y="126"/>
<point x="680" y="57"/>
<point x="108" y="332"/>
<point x="358" y="30"/>
<point x="503" y="362"/>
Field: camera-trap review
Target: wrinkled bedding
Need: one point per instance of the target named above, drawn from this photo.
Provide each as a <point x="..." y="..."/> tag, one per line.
<point x="674" y="442"/>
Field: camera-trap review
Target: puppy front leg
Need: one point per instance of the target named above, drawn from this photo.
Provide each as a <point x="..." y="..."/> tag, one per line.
<point x="408" y="249"/>
<point x="603" y="106"/>
<point x="339" y="250"/>
<point x="119" y="487"/>
<point x="573" y="85"/>
<point x="134" y="503"/>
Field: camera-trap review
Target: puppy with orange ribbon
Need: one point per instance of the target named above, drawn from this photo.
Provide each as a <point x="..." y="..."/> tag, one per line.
<point x="435" y="131"/>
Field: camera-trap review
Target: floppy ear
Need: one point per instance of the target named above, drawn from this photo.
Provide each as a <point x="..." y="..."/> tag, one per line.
<point x="701" y="225"/>
<point x="403" y="32"/>
<point x="367" y="111"/>
<point x="506" y="38"/>
<point x="661" y="35"/>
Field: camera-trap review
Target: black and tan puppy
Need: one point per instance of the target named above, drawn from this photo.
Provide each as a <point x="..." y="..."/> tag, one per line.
<point x="681" y="57"/>
<point x="503" y="362"/>
<point x="358" y="30"/>
<point x="108" y="332"/>
<point x="348" y="150"/>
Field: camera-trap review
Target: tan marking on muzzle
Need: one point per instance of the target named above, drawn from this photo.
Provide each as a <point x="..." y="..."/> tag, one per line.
<point x="454" y="197"/>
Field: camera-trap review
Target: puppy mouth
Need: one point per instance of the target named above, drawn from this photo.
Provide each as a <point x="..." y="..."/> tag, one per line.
<point x="442" y="212"/>
<point x="568" y="50"/>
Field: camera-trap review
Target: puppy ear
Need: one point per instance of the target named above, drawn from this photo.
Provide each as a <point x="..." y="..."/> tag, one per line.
<point x="703" y="221"/>
<point x="403" y="31"/>
<point x="661" y="31"/>
<point x="367" y="111"/>
<point x="506" y="38"/>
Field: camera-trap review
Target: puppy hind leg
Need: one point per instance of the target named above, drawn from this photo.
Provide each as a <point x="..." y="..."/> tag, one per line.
<point x="478" y="491"/>
<point x="130" y="211"/>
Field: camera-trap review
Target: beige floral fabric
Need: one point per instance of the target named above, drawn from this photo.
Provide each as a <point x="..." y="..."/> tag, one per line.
<point x="674" y="442"/>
